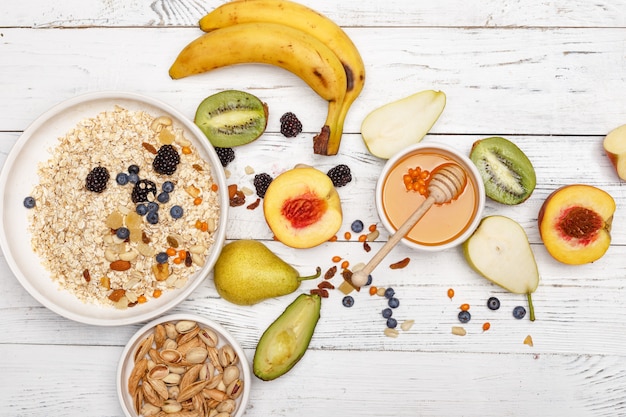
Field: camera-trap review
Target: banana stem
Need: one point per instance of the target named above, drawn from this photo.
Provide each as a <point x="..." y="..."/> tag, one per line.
<point x="318" y="272"/>
<point x="531" y="308"/>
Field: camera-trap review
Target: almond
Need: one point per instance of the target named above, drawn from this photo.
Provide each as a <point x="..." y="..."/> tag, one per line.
<point x="120" y="265"/>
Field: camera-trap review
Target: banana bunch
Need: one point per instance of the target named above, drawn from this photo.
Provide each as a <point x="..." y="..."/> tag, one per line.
<point x="288" y="35"/>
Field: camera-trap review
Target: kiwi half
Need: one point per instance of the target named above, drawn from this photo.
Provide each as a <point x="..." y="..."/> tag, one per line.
<point x="508" y="174"/>
<point x="231" y="118"/>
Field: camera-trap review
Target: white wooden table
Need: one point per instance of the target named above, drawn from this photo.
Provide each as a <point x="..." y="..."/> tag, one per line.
<point x="551" y="76"/>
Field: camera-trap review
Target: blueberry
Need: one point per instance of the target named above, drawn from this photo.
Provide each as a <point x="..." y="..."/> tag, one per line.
<point x="121" y="178"/>
<point x="133" y="169"/>
<point x="347" y="301"/>
<point x="369" y="280"/>
<point x="168" y="186"/>
<point x="141" y="209"/>
<point x="519" y="312"/>
<point x="161" y="257"/>
<point x="29" y="202"/>
<point x="163" y="197"/>
<point x="133" y="178"/>
<point x="152" y="217"/>
<point x="152" y="206"/>
<point x="493" y="303"/>
<point x="393" y="302"/>
<point x="392" y="323"/>
<point x="357" y="226"/>
<point x="176" y="212"/>
<point x="389" y="292"/>
<point x="464" y="316"/>
<point x="122" y="233"/>
<point x="387" y="312"/>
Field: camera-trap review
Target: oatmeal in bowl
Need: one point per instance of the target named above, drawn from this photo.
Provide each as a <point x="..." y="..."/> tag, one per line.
<point x="119" y="198"/>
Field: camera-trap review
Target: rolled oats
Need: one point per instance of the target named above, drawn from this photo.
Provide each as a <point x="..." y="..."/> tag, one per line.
<point x="72" y="229"/>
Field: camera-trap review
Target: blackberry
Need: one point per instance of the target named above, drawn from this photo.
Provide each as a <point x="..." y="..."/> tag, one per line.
<point x="226" y="155"/>
<point x="97" y="179"/>
<point x="290" y="126"/>
<point x="142" y="189"/>
<point x="340" y="175"/>
<point x="166" y="160"/>
<point x="261" y="182"/>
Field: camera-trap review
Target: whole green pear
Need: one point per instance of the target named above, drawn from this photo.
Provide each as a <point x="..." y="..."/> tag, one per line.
<point x="247" y="272"/>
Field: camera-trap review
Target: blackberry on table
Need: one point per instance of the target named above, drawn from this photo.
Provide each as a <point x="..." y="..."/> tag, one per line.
<point x="142" y="189"/>
<point x="340" y="175"/>
<point x="97" y="179"/>
<point x="226" y="155"/>
<point x="261" y="182"/>
<point x="166" y="160"/>
<point x="290" y="126"/>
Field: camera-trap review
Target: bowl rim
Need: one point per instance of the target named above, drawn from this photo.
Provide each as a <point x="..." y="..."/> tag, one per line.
<point x="65" y="110"/>
<point x="225" y="336"/>
<point x="473" y="172"/>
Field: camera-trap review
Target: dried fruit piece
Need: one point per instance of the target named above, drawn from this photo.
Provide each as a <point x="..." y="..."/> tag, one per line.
<point x="120" y="265"/>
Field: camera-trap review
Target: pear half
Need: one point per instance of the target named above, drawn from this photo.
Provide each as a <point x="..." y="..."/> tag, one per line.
<point x="499" y="250"/>
<point x="399" y="124"/>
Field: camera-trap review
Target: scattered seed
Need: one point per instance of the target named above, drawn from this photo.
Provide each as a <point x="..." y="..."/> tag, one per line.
<point x="372" y="236"/>
<point x="381" y="292"/>
<point x="249" y="170"/>
<point x="458" y="330"/>
<point x="393" y="333"/>
<point x="407" y="324"/>
<point x="528" y="340"/>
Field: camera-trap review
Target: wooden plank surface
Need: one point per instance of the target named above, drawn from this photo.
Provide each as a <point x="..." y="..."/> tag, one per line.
<point x="548" y="75"/>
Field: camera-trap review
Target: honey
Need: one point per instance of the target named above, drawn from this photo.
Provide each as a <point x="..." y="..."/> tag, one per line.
<point x="443" y="222"/>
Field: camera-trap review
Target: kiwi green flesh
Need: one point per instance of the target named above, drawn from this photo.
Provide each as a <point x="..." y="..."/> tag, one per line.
<point x="231" y="118"/>
<point x="507" y="173"/>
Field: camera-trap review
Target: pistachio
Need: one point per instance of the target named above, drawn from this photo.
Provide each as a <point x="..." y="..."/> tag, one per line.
<point x="196" y="355"/>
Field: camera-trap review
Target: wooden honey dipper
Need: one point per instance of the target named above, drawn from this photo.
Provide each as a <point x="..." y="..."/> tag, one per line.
<point x="446" y="183"/>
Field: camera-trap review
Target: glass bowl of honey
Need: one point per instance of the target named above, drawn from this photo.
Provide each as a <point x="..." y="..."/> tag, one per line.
<point x="403" y="186"/>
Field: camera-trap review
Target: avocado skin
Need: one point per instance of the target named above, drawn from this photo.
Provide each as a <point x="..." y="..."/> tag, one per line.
<point x="297" y="324"/>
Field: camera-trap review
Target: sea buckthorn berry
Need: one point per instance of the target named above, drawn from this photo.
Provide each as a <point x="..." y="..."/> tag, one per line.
<point x="171" y="252"/>
<point x="333" y="238"/>
<point x="345" y="264"/>
<point x="336" y="259"/>
<point x="198" y="224"/>
<point x="142" y="299"/>
<point x="157" y="293"/>
<point x="362" y="238"/>
<point x="186" y="150"/>
<point x="197" y="201"/>
<point x="204" y="226"/>
<point x="372" y="228"/>
<point x="450" y="293"/>
<point x="347" y="235"/>
<point x="373" y="290"/>
<point x="214" y="187"/>
<point x="464" y="307"/>
<point x="486" y="326"/>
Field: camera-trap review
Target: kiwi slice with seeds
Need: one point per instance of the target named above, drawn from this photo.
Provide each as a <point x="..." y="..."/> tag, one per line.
<point x="231" y="118"/>
<point x="507" y="173"/>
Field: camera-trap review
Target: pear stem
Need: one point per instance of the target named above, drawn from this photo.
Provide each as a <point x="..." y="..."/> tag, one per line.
<point x="318" y="272"/>
<point x="531" y="308"/>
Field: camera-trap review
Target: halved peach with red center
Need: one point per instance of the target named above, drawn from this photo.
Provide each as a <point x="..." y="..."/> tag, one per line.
<point x="575" y="223"/>
<point x="302" y="207"/>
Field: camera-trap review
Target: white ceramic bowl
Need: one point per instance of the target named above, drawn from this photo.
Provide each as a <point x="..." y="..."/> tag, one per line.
<point x="408" y="201"/>
<point x="19" y="176"/>
<point x="126" y="363"/>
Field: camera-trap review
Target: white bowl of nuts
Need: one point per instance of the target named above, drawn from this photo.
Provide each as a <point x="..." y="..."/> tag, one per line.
<point x="114" y="208"/>
<point x="183" y="363"/>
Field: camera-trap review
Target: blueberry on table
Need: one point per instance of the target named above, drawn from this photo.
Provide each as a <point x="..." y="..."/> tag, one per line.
<point x="357" y="226"/>
<point x="348" y="301"/>
<point x="389" y="292"/>
<point x="519" y="312"/>
<point x="464" y="316"/>
<point x="493" y="303"/>
<point x="392" y="323"/>
<point x="393" y="302"/>
<point x="387" y="312"/>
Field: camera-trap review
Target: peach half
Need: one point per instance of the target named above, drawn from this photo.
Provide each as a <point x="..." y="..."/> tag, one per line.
<point x="302" y="207"/>
<point x="575" y="223"/>
<point x="614" y="145"/>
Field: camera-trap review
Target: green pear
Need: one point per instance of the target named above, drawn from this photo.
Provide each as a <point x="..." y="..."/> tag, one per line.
<point x="396" y="125"/>
<point x="499" y="250"/>
<point x="247" y="272"/>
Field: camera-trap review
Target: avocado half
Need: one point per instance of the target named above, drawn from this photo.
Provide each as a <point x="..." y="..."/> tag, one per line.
<point x="286" y="340"/>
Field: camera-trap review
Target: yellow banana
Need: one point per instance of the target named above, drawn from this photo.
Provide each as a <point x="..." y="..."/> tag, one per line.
<point x="273" y="44"/>
<point x="300" y="17"/>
